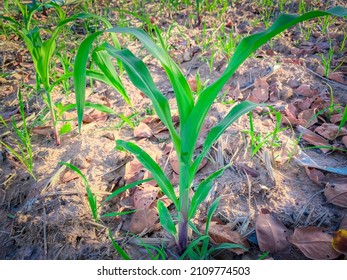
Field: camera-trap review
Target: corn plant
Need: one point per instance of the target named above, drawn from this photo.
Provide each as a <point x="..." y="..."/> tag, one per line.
<point x="42" y="51"/>
<point x="192" y="112"/>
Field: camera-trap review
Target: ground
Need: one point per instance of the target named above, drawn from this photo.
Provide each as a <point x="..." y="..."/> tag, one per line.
<point x="48" y="217"/>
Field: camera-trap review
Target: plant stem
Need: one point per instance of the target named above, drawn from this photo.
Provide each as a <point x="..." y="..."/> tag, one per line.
<point x="184" y="206"/>
<point x="51" y="108"/>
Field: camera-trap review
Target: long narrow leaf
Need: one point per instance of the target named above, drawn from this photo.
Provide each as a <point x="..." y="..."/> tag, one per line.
<point x="157" y="173"/>
<point x="166" y="219"/>
<point x="203" y="190"/>
<point x="118" y="248"/>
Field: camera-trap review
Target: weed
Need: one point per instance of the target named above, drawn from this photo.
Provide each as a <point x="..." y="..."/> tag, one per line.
<point x="23" y="151"/>
<point x="192" y="114"/>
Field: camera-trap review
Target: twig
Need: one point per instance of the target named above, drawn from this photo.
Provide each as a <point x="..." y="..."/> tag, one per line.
<point x="45" y="231"/>
<point x="337" y="84"/>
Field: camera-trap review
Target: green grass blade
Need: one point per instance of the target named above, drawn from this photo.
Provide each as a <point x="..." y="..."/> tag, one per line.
<point x="118" y="248"/>
<point x="191" y="246"/>
<point x="117" y="214"/>
<point x="166" y="219"/>
<point x="224" y="246"/>
<point x="203" y="190"/>
<point x="157" y="173"/>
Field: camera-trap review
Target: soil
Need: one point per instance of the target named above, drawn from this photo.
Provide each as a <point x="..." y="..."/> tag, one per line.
<point x="49" y="217"/>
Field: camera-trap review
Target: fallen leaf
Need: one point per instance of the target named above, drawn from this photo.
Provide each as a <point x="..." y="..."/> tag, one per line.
<point x="143" y="220"/>
<point x="144" y="196"/>
<point x="340" y="241"/>
<point x="308" y="117"/>
<point x="330" y="131"/>
<point x="291" y="113"/>
<point x="192" y="84"/>
<point x="344" y="140"/>
<point x="313" y="138"/>
<point x="261" y="90"/>
<point x="337" y="77"/>
<point x="271" y="233"/>
<point x="224" y="234"/>
<point x="305" y="103"/>
<point x="314" y="243"/>
<point x="335" y="118"/>
<point x="174" y="162"/>
<point x="336" y="194"/>
<point x="134" y="171"/>
<point x="43" y="130"/>
<point x="320" y="70"/>
<point x="72" y="175"/>
<point x="94" y="116"/>
<point x="315" y="175"/>
<point x="143" y="131"/>
<point x="8" y="115"/>
<point x="305" y="90"/>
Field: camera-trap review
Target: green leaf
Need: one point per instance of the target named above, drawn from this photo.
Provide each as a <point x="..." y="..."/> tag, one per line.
<point x="210" y="213"/>
<point x="166" y="219"/>
<point x="157" y="173"/>
<point x="118" y="248"/>
<point x="66" y="128"/>
<point x="116" y="214"/>
<point x="224" y="246"/>
<point x="203" y="190"/>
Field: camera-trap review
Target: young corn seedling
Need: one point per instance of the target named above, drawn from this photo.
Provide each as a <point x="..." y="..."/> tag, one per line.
<point x="192" y="113"/>
<point x="42" y="50"/>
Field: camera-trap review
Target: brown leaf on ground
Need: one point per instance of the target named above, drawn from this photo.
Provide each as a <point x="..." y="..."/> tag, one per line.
<point x="307" y="118"/>
<point x="314" y="243"/>
<point x="340" y="241"/>
<point x="94" y="116"/>
<point x="134" y="171"/>
<point x="337" y="77"/>
<point x="330" y="131"/>
<point x="143" y="131"/>
<point x="261" y="90"/>
<point x="144" y="196"/>
<point x="8" y="115"/>
<point x="235" y="93"/>
<point x="271" y="233"/>
<point x="320" y="70"/>
<point x="344" y="140"/>
<point x="335" y="118"/>
<point x="315" y="175"/>
<point x="174" y="162"/>
<point x="43" y="130"/>
<point x="313" y="138"/>
<point x="224" y="234"/>
<point x="291" y="113"/>
<point x="144" y="219"/>
<point x="336" y="194"/>
<point x="72" y="175"/>
<point x="305" y="103"/>
<point x="175" y="179"/>
<point x="192" y="84"/>
<point x="305" y="90"/>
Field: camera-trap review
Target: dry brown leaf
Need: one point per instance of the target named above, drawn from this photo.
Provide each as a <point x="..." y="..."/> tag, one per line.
<point x="291" y="113"/>
<point x="307" y="117"/>
<point x="313" y="138"/>
<point x="305" y="104"/>
<point x="335" y="118"/>
<point x="330" y="131"/>
<point x="271" y="233"/>
<point x="72" y="175"/>
<point x="305" y="90"/>
<point x="8" y="115"/>
<point x="261" y="90"/>
<point x="174" y="162"/>
<point x="143" y="131"/>
<point x="144" y="196"/>
<point x="314" y="243"/>
<point x="320" y="70"/>
<point x="43" y="130"/>
<point x="144" y="219"/>
<point x="336" y="194"/>
<point x="344" y="140"/>
<point x="340" y="241"/>
<point x="224" y="234"/>
<point x="315" y="175"/>
<point x="192" y="84"/>
<point x="134" y="171"/>
<point x="337" y="77"/>
<point x="94" y="116"/>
